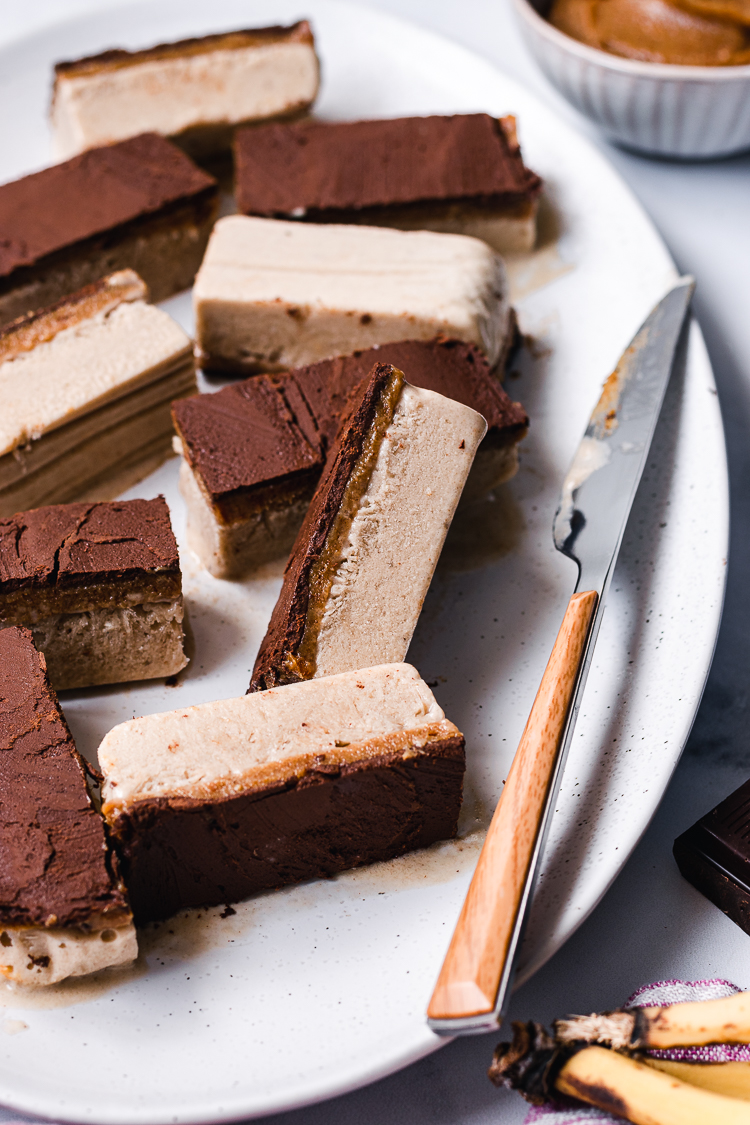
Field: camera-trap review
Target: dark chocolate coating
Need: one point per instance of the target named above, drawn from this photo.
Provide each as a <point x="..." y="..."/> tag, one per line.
<point x="178" y="852"/>
<point x="250" y="437"/>
<point x="714" y="855"/>
<point x="287" y="625"/>
<point x="267" y="431"/>
<point x="327" y="167"/>
<point x="67" y="545"/>
<point x="451" y="367"/>
<point x="96" y="193"/>
<point x="54" y="859"/>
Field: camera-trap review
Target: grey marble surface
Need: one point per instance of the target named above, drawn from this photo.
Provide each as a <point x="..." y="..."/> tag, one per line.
<point x="651" y="924"/>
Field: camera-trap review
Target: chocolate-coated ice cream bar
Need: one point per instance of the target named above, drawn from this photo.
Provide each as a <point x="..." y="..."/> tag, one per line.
<point x="213" y="803"/>
<point x="63" y="908"/>
<point x="462" y="174"/>
<point x="86" y="388"/>
<point x="271" y="295"/>
<point x="99" y="585"/>
<point x="195" y="91"/>
<point x="364" y="557"/>
<point x="714" y="855"/>
<point x="253" y="452"/>
<point x="141" y="204"/>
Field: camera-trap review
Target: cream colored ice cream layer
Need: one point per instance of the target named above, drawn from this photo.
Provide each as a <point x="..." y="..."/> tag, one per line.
<point x="234" y="550"/>
<point x="275" y="294"/>
<point x="35" y="956"/>
<point x="83" y="367"/>
<point x="112" y="646"/>
<point x="398" y="532"/>
<point x="227" y="745"/>
<point x="170" y="95"/>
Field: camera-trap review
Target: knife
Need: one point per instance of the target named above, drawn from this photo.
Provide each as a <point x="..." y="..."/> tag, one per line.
<point x="474" y="984"/>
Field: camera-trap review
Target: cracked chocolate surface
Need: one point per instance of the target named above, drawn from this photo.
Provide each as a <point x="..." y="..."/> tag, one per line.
<point x="66" y="558"/>
<point x="323" y="170"/>
<point x="55" y="865"/>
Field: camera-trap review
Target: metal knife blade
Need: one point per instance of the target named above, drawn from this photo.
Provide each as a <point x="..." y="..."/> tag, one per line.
<point x="600" y="485"/>
<point x="474" y="985"/>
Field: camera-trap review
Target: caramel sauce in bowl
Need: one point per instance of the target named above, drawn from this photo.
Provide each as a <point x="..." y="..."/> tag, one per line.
<point x="608" y="58"/>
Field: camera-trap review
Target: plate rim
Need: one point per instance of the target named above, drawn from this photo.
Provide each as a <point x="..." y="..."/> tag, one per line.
<point x="323" y="1090"/>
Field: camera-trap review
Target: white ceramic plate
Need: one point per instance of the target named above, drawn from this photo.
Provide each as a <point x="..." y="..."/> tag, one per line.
<point x="308" y="992"/>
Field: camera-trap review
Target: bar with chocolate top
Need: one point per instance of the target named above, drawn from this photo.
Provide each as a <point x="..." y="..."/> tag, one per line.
<point x="252" y="456"/>
<point x="462" y="174"/>
<point x="213" y="803"/>
<point x="63" y="907"/>
<point x="100" y="588"/>
<point x="86" y="387"/>
<point x="271" y="295"/>
<point x="141" y="204"/>
<point x="714" y="855"/>
<point x="195" y="91"/>
<point x="365" y="555"/>
<point x="253" y="452"/>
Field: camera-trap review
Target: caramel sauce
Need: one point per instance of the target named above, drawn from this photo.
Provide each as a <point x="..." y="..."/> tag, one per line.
<point x="681" y="32"/>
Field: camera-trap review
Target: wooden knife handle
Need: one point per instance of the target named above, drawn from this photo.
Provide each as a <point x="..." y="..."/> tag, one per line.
<point x="470" y="976"/>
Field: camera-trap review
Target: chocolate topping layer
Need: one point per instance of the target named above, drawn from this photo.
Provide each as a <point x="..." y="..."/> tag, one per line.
<point x="451" y="367"/>
<point x="279" y="653"/>
<point x="254" y="436"/>
<point x="179" y="852"/>
<point x="68" y="545"/>
<point x="264" y="431"/>
<point x="310" y="168"/>
<point x="92" y="194"/>
<point x="55" y="866"/>
<point x="299" y="32"/>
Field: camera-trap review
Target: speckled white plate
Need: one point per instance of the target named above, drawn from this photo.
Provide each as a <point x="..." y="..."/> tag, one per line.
<point x="314" y="990"/>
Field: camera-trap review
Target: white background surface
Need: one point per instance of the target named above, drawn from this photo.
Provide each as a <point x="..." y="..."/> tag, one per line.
<point x="651" y="924"/>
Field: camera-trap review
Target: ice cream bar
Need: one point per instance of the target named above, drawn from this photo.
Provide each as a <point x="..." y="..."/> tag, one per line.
<point x="213" y="803"/>
<point x="271" y="295"/>
<point x="363" y="560"/>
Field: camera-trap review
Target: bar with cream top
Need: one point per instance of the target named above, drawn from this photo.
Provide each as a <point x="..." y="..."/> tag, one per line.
<point x="271" y="295"/>
<point x="195" y="91"/>
<point x="210" y="804"/>
<point x="86" y="387"/>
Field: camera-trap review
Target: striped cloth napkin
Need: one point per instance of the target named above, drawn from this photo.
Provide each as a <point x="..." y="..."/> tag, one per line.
<point x="662" y="993"/>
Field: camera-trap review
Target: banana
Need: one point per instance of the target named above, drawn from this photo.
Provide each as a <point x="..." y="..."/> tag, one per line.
<point x="643" y="1094"/>
<point x="693" y="1024"/>
<point x="539" y="1066"/>
<point x="729" y="1078"/>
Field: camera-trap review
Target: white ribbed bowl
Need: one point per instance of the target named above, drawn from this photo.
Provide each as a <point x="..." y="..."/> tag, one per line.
<point x="682" y="111"/>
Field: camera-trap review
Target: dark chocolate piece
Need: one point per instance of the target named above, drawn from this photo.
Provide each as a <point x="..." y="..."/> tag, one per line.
<point x="178" y="852"/>
<point x="55" y="866"/>
<point x="51" y="558"/>
<point x="330" y="171"/>
<point x="279" y="660"/>
<point x="93" y="205"/>
<point x="714" y="855"/>
<point x="249" y="443"/>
